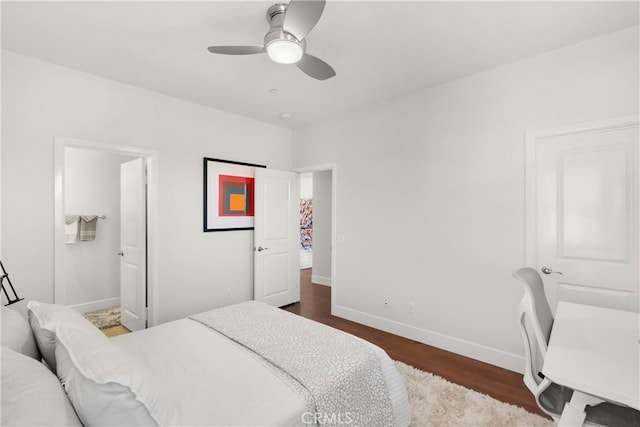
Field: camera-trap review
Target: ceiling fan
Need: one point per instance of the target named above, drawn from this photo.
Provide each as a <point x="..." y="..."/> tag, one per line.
<point x="285" y="42"/>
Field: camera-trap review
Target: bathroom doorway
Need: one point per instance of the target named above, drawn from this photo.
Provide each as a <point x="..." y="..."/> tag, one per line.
<point x="100" y="271"/>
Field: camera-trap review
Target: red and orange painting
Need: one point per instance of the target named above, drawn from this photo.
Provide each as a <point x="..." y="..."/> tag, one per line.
<point x="235" y="196"/>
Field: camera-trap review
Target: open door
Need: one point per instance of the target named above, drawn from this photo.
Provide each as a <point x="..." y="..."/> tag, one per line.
<point x="133" y="240"/>
<point x="276" y="237"/>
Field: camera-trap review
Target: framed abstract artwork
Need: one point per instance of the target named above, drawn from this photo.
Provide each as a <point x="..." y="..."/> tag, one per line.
<point x="228" y="195"/>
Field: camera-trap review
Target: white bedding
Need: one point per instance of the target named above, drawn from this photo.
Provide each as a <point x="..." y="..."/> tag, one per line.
<point x="210" y="380"/>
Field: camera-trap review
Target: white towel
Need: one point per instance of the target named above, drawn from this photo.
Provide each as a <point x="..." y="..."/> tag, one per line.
<point x="71" y="228"/>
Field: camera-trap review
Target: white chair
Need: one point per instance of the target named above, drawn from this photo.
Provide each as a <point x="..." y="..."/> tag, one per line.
<point x="536" y="321"/>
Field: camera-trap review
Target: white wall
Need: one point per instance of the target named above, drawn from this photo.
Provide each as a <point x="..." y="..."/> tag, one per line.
<point x="41" y="100"/>
<point x="321" y="272"/>
<point x="306" y="185"/>
<point x="92" y="268"/>
<point x="430" y="197"/>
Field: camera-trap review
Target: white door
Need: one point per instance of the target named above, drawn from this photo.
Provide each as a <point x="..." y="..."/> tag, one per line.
<point x="276" y="237"/>
<point x="585" y="205"/>
<point x="133" y="241"/>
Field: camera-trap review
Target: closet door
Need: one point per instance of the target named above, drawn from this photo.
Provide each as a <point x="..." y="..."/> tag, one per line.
<point x="584" y="213"/>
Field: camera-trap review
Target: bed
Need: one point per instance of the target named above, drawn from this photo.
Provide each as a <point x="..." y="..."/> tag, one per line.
<point x="248" y="365"/>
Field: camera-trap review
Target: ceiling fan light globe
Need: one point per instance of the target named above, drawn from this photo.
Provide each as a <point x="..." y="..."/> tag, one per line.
<point x="285" y="51"/>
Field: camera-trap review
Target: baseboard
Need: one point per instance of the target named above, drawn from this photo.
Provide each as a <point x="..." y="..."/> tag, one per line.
<point x="320" y="280"/>
<point x="96" y="305"/>
<point x="502" y="359"/>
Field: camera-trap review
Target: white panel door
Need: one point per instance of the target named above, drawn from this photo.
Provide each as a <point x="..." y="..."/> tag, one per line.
<point x="133" y="241"/>
<point x="276" y="237"/>
<point x="587" y="215"/>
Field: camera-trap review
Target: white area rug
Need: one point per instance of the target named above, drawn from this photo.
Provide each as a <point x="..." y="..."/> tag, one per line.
<point x="439" y="403"/>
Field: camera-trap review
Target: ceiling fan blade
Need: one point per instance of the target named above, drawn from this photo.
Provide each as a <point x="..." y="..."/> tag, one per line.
<point x="236" y="50"/>
<point x="302" y="16"/>
<point x="316" y="68"/>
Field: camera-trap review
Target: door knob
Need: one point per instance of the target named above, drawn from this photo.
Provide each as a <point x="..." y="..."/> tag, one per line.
<point x="260" y="249"/>
<point x="121" y="253"/>
<point x="548" y="270"/>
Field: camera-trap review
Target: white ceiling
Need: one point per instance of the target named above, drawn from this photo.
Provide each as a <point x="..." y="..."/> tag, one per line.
<point x="379" y="49"/>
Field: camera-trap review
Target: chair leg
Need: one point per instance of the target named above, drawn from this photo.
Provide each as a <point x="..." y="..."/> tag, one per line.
<point x="573" y="414"/>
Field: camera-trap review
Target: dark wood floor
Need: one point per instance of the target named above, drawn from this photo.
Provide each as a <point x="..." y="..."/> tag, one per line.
<point x="504" y="385"/>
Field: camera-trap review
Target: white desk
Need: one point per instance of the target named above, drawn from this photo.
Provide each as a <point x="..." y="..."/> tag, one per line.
<point x="595" y="351"/>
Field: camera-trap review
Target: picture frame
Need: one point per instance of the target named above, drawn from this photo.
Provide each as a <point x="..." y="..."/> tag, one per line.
<point x="228" y="195"/>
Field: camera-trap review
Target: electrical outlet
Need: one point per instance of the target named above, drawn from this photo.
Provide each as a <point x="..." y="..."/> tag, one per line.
<point x="411" y="307"/>
<point x="385" y="302"/>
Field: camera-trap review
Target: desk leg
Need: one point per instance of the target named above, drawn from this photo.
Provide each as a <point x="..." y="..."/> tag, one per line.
<point x="573" y="414"/>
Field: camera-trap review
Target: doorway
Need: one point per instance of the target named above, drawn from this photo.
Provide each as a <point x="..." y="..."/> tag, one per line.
<point x="89" y="267"/>
<point x="317" y="230"/>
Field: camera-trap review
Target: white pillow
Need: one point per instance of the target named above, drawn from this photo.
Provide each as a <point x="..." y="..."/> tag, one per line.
<point x="17" y="335"/>
<point x="106" y="384"/>
<point x="32" y="395"/>
<point x="44" y="318"/>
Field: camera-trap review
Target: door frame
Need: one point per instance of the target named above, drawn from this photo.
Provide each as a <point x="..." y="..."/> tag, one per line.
<point x="334" y="208"/>
<point x="151" y="158"/>
<point x="531" y="200"/>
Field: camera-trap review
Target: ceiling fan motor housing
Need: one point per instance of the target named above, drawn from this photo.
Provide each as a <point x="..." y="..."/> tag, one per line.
<point x="275" y="17"/>
<point x="276" y="11"/>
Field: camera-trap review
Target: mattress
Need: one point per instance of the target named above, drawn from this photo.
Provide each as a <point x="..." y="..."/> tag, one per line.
<point x="213" y="381"/>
